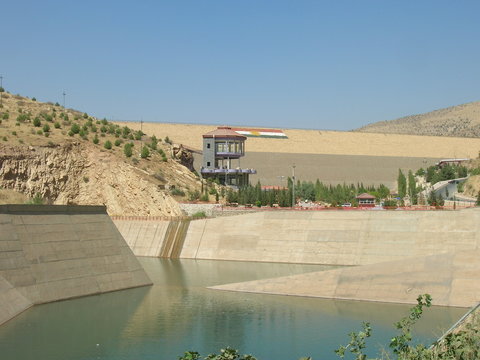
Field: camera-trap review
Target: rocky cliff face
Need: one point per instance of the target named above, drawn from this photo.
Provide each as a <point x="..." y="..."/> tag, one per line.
<point x="75" y="173"/>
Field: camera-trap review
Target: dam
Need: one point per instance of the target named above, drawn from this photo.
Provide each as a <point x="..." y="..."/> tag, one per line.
<point x="394" y="255"/>
<point x="398" y="253"/>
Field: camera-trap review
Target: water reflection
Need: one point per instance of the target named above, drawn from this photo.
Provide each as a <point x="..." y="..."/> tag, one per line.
<point x="179" y="313"/>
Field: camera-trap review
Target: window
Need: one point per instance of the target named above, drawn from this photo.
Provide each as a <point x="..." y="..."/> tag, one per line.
<point x="208" y="146"/>
<point x="208" y="163"/>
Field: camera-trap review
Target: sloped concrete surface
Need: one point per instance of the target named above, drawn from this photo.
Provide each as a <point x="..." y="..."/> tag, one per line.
<point x="50" y="253"/>
<point x="451" y="279"/>
<point x="332" y="237"/>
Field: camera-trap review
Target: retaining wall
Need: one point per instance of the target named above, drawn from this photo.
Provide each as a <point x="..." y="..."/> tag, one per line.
<point x="332" y="237"/>
<point x="155" y="238"/>
<point x="50" y="253"/>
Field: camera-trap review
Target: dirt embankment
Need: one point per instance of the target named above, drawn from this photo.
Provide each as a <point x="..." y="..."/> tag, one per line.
<point x="75" y="173"/>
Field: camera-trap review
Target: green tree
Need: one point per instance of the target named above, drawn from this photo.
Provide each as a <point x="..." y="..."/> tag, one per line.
<point x="107" y="145"/>
<point x="402" y="184"/>
<point x="37" y="122"/>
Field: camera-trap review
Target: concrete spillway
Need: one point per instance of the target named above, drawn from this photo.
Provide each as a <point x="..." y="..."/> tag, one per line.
<point x="50" y="253"/>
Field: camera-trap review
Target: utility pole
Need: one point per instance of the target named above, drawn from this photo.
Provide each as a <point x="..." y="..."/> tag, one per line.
<point x="293" y="185"/>
<point x="1" y="89"/>
<point x="64" y="98"/>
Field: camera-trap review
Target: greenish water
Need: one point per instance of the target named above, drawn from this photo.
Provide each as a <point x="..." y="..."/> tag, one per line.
<point x="178" y="313"/>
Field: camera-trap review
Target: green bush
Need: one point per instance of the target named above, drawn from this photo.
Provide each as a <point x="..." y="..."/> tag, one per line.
<point x="164" y="158"/>
<point x="75" y="128"/>
<point x="177" y="192"/>
<point x="14" y="133"/>
<point x="37" y="122"/>
<point x="145" y="153"/>
<point x="200" y="215"/>
<point x="127" y="149"/>
<point x="46" y="128"/>
<point x="204" y="197"/>
<point x="118" y="142"/>
<point x="4" y="138"/>
<point x="36" y="200"/>
<point x="6" y="116"/>
<point x="95" y="139"/>
<point x="167" y="140"/>
<point x="193" y="195"/>
<point x="107" y="145"/>
<point x="22" y="118"/>
<point x="56" y="125"/>
<point x="103" y="129"/>
<point x="34" y="99"/>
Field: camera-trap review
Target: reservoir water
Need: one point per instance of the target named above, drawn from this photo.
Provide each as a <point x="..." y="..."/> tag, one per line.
<point x="179" y="313"/>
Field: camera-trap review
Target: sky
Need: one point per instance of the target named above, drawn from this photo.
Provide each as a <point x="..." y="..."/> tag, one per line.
<point x="329" y="65"/>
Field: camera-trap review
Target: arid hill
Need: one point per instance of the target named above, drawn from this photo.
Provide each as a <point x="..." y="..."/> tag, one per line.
<point x="459" y="121"/>
<point x="62" y="156"/>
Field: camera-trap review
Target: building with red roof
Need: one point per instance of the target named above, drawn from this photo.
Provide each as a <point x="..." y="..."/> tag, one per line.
<point x="222" y="150"/>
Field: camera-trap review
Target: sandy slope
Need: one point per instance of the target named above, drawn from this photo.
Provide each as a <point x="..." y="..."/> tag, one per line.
<point x="329" y="142"/>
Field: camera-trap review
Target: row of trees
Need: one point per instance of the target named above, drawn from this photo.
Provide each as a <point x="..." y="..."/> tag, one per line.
<point x="305" y="190"/>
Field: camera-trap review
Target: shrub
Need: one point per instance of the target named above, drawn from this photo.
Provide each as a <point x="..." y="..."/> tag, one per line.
<point x="46" y="128"/>
<point x="95" y="139"/>
<point x="138" y="135"/>
<point x="4" y="138"/>
<point x="103" y="129"/>
<point x="167" y="140"/>
<point x="57" y="104"/>
<point x="22" y="118"/>
<point x="36" y="200"/>
<point x="193" y="195"/>
<point x="47" y="134"/>
<point x="134" y="161"/>
<point x="145" y="153"/>
<point x="75" y="128"/>
<point x="85" y="115"/>
<point x="20" y="141"/>
<point x="56" y="125"/>
<point x="82" y="133"/>
<point x="107" y="145"/>
<point x="86" y="179"/>
<point x="71" y="133"/>
<point x="118" y="142"/>
<point x="204" y="197"/>
<point x="127" y="149"/>
<point x="37" y="122"/>
<point x="199" y="215"/>
<point x="34" y="99"/>
<point x="164" y="158"/>
<point x="6" y="116"/>
<point x="177" y="192"/>
<point x="14" y="133"/>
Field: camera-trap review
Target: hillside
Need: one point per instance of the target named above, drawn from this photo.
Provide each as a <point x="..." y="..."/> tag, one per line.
<point x="63" y="156"/>
<point x="460" y="121"/>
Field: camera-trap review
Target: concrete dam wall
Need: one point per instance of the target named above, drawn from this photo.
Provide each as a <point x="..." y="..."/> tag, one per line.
<point x="50" y="253"/>
<point x="154" y="238"/>
<point x="332" y="237"/>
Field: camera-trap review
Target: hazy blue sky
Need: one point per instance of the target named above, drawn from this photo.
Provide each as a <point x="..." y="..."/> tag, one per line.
<point x="303" y="64"/>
